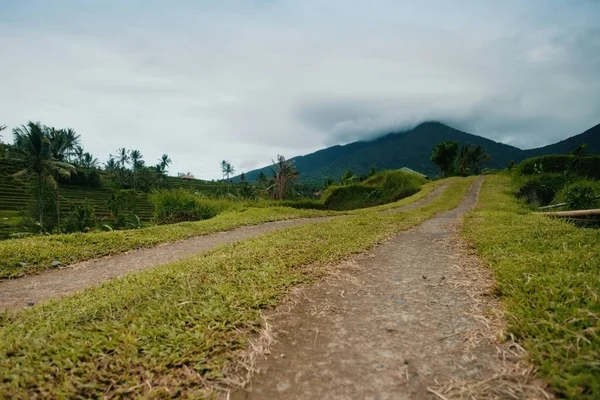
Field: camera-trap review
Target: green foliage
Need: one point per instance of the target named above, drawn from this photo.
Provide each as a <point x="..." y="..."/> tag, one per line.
<point x="348" y="178"/>
<point x="581" y="196"/>
<point x="384" y="187"/>
<point x="546" y="271"/>
<point x="123" y="206"/>
<point x="179" y="205"/>
<point x="585" y="166"/>
<point x="444" y="156"/>
<point x="541" y="189"/>
<point x="171" y="331"/>
<point x="80" y="219"/>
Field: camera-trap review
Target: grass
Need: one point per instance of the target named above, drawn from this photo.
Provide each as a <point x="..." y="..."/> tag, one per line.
<point x="173" y="330"/>
<point x="38" y="252"/>
<point x="548" y="273"/>
<point x="384" y="187"/>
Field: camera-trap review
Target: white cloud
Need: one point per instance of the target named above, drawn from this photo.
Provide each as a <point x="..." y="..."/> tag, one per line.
<point x="246" y="80"/>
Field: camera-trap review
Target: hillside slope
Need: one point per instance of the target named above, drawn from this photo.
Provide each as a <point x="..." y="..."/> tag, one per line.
<point x="412" y="149"/>
<point x="591" y="137"/>
<point x="402" y="149"/>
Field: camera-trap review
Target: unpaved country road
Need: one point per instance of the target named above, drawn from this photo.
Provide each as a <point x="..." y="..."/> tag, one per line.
<point x="18" y="292"/>
<point x="399" y="323"/>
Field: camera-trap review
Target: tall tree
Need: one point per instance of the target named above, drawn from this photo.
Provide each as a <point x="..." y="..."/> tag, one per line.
<point x="89" y="161"/>
<point x="262" y="179"/>
<point x="136" y="163"/>
<point x="2" y="145"/>
<point x="164" y="162"/>
<point x="284" y="174"/>
<point x="33" y="146"/>
<point x="478" y="156"/>
<point x="227" y="169"/>
<point x="463" y="160"/>
<point x="443" y="155"/>
<point x="243" y="178"/>
<point x="122" y="157"/>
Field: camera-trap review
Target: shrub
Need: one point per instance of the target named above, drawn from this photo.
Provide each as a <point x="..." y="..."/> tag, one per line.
<point x="80" y="219"/>
<point x="381" y="188"/>
<point x="123" y="206"/>
<point x="179" y="205"/>
<point x="586" y="166"/>
<point x="541" y="189"/>
<point x="581" y="196"/>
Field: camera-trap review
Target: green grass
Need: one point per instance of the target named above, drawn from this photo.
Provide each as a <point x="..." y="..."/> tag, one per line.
<point x="384" y="187"/>
<point x="173" y="330"/>
<point x="548" y="273"/>
<point x="38" y="252"/>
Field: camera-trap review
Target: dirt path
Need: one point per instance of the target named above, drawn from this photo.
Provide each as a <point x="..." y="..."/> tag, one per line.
<point x="19" y="292"/>
<point x="408" y="320"/>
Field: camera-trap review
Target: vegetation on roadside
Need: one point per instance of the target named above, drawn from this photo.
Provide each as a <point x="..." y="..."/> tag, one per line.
<point x="381" y="188"/>
<point x="546" y="271"/>
<point x="175" y="330"/>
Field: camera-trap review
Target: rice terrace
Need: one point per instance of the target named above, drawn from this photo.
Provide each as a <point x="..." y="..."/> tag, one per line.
<point x="392" y="255"/>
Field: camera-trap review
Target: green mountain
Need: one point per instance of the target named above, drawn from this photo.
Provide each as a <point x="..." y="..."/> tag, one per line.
<point x="591" y="137"/>
<point x="412" y="149"/>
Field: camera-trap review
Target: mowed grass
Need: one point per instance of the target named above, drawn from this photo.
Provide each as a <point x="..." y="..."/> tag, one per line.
<point x="548" y="273"/>
<point x="175" y="330"/>
<point x="35" y="254"/>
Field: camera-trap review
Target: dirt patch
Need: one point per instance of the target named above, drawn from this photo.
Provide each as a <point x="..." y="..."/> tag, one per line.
<point x="413" y="319"/>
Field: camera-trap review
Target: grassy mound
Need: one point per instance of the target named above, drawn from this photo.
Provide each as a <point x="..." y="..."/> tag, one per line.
<point x="382" y="188"/>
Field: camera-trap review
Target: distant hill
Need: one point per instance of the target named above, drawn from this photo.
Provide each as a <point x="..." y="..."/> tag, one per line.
<point x="412" y="149"/>
<point x="591" y="137"/>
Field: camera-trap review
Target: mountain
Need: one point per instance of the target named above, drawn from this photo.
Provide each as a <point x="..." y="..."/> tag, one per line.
<point x="591" y="137"/>
<point x="412" y="149"/>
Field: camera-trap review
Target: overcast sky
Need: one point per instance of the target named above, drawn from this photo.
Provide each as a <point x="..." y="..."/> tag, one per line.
<point x="246" y="80"/>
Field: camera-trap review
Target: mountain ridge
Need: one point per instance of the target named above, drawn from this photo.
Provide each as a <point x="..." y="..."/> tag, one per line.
<point x="412" y="148"/>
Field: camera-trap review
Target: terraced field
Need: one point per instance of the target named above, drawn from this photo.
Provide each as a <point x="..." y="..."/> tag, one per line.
<point x="14" y="195"/>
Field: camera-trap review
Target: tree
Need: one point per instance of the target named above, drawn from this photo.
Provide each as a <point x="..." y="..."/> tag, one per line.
<point x="136" y="163"/>
<point x="227" y="169"/>
<point x="33" y="146"/>
<point x="284" y="174"/>
<point x="443" y="155"/>
<point x="2" y="145"/>
<point x="243" y="178"/>
<point x="164" y="163"/>
<point x="111" y="165"/>
<point x="372" y="171"/>
<point x="463" y="160"/>
<point x="262" y="179"/>
<point x="477" y="157"/>
<point x="328" y="182"/>
<point x="122" y="157"/>
<point x="348" y="178"/>
<point x="89" y="161"/>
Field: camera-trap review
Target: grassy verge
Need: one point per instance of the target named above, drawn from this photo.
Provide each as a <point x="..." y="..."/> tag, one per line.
<point x="37" y="253"/>
<point x="173" y="330"/>
<point x="548" y="272"/>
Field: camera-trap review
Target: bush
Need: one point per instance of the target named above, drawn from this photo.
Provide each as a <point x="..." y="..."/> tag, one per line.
<point x="83" y="177"/>
<point x="123" y="206"/>
<point x="179" y="205"/>
<point x="586" y="166"/>
<point x="80" y="219"/>
<point x="581" y="196"/>
<point x="541" y="189"/>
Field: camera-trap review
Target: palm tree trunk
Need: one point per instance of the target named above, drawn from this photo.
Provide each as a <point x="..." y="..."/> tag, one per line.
<point x="57" y="206"/>
<point x="40" y="208"/>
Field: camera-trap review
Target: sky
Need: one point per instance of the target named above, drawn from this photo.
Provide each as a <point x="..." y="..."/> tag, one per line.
<point x="245" y="80"/>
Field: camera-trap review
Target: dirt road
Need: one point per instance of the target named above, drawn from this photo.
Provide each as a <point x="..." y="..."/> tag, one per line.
<point x="18" y="293"/>
<point x="412" y="320"/>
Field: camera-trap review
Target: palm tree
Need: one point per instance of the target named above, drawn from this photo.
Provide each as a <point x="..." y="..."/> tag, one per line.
<point x="136" y="163"/>
<point x="2" y="145"/>
<point x="33" y="146"/>
<point x="262" y="179"/>
<point x="164" y="162"/>
<point x="89" y="161"/>
<point x="78" y="154"/>
<point x="122" y="157"/>
<point x="111" y="165"/>
<point x="284" y="174"/>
